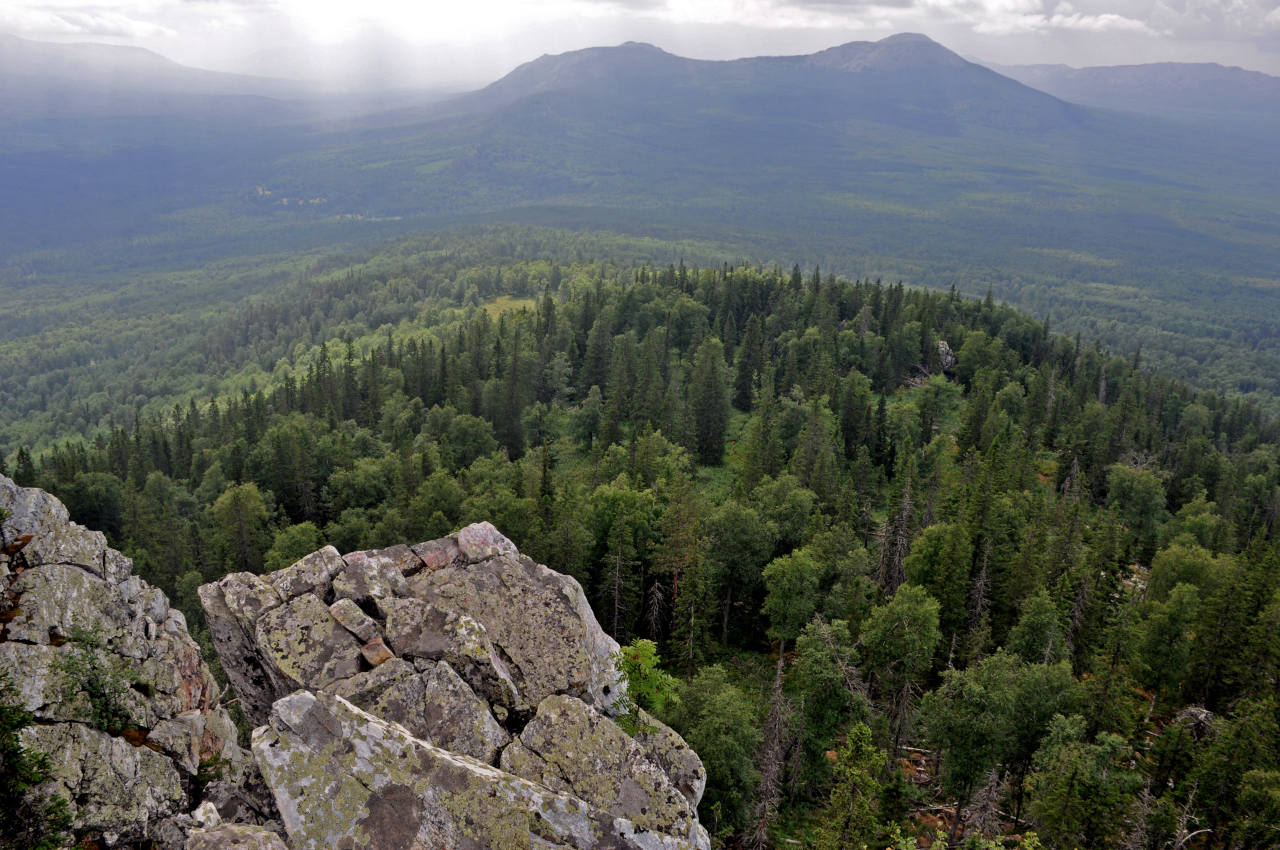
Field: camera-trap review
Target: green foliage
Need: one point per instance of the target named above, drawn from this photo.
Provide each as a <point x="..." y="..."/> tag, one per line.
<point x="292" y="543"/>
<point x="1138" y="495"/>
<point x="648" y="687"/>
<point x="29" y="818"/>
<point x="710" y="402"/>
<point x="939" y="562"/>
<point x="1079" y="790"/>
<point x="1038" y="636"/>
<point x="994" y="712"/>
<point x="825" y="682"/>
<point x="792" y="598"/>
<point x="892" y="530"/>
<point x="722" y="725"/>
<point x="899" y="639"/>
<point x="239" y="528"/>
<point x="94" y="685"/>
<point x="852" y="817"/>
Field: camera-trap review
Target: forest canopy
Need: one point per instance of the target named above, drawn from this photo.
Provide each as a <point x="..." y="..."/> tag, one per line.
<point x="919" y="564"/>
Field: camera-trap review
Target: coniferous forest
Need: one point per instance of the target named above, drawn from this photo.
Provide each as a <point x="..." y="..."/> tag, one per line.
<point x="922" y="569"/>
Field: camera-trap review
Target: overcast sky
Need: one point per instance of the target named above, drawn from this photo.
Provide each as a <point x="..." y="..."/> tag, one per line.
<point x="477" y="40"/>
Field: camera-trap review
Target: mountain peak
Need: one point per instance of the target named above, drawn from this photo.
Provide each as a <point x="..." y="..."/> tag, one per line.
<point x="592" y="68"/>
<point x="907" y="51"/>
<point x="906" y="38"/>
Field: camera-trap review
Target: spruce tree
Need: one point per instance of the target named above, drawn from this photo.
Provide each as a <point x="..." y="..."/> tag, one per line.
<point x="710" y="402"/>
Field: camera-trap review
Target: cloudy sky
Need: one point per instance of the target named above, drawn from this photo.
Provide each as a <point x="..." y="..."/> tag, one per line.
<point x="476" y="40"/>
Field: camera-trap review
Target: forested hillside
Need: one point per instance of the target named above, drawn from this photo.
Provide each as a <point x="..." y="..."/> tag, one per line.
<point x="908" y="554"/>
<point x="895" y="159"/>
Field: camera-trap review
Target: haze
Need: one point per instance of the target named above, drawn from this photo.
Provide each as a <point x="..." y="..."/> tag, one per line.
<point x="390" y="43"/>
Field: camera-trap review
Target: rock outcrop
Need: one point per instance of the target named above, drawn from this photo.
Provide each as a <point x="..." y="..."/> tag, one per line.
<point x="450" y="694"/>
<point x="125" y="708"/>
<point x="447" y="694"/>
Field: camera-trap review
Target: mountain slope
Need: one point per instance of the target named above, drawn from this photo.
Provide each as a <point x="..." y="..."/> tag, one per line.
<point x="1171" y="89"/>
<point x="895" y="158"/>
<point x="907" y="79"/>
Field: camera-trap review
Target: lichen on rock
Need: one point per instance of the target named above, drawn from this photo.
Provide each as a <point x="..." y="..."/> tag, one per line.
<point x="126" y="709"/>
<point x="446" y="694"/>
<point x="480" y="657"/>
<point x="346" y="779"/>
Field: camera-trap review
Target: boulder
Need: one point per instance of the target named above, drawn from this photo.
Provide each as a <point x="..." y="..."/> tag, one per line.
<point x="343" y="778"/>
<point x="538" y="619"/>
<point x="39" y="532"/>
<point x="234" y="836"/>
<point x="115" y="789"/>
<point x="232" y="607"/>
<point x="375" y="574"/>
<point x="663" y="746"/>
<point x="570" y="747"/>
<point x="515" y="631"/>
<point x="303" y="642"/>
<point x="418" y="629"/>
<point x="435" y="705"/>
<point x="312" y="574"/>
<point x="421" y="670"/>
<point x="355" y="620"/>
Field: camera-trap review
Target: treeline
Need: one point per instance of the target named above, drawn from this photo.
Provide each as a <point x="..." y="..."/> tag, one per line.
<point x="914" y="556"/>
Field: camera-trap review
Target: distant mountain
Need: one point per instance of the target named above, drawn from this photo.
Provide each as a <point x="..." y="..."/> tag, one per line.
<point x="106" y="67"/>
<point x="895" y="157"/>
<point x="906" y="79"/>
<point x="40" y="80"/>
<point x="1173" y="89"/>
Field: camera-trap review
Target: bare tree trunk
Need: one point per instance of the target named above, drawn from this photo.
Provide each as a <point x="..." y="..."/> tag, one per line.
<point x="895" y="544"/>
<point x="773" y="752"/>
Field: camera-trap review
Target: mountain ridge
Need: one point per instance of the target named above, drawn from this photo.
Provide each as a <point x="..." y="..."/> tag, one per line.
<point x="905" y="78"/>
<point x="895" y="157"/>
<point x="1169" y="89"/>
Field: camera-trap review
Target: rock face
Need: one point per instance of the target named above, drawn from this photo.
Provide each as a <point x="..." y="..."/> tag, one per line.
<point x="448" y="694"/>
<point x="126" y="709"/>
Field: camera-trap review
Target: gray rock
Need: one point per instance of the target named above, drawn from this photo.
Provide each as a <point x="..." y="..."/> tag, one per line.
<point x="235" y="836"/>
<point x="312" y="574"/>
<point x="71" y="611"/>
<point x="436" y="554"/>
<point x="344" y="778"/>
<point x="663" y="746"/>
<point x="113" y="787"/>
<point x="570" y="747"/>
<point x="56" y="599"/>
<point x="206" y="814"/>
<point x="438" y="647"/>
<point x="374" y="574"/>
<point x="436" y="706"/>
<point x="418" y="629"/>
<point x="38" y="532"/>
<point x="354" y="620"/>
<point x="480" y="541"/>
<point x="538" y="619"/>
<point x="232" y="607"/>
<point x="303" y="641"/>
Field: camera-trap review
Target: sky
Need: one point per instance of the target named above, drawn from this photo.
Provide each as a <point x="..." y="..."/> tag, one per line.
<point x="474" y="41"/>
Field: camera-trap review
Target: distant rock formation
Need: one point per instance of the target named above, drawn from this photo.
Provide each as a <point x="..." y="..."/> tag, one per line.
<point x="125" y="708"/>
<point x="447" y="694"/>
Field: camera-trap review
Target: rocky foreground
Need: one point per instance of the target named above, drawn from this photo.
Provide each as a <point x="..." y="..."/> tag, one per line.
<point x="445" y="694"/>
